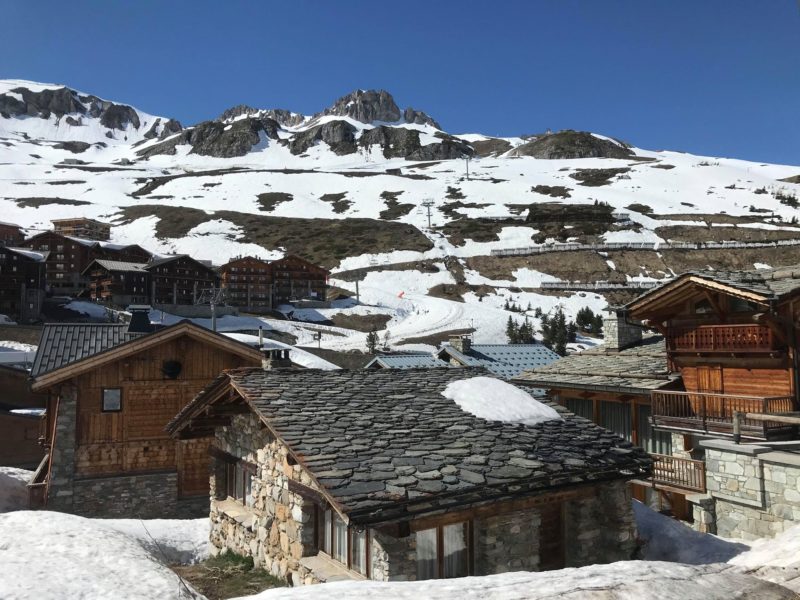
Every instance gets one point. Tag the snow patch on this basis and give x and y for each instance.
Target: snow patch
(13, 490)
(495, 400)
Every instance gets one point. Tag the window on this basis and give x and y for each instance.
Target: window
(443, 551)
(112, 399)
(583, 407)
(359, 551)
(616, 416)
(339, 539)
(344, 544)
(238, 480)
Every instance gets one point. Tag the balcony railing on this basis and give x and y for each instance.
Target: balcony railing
(713, 413)
(722, 338)
(683, 473)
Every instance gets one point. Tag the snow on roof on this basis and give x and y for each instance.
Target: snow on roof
(37, 256)
(297, 355)
(495, 400)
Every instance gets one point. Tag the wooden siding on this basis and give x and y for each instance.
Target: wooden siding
(738, 381)
(133, 439)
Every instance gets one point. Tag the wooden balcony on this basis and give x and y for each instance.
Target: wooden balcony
(722, 338)
(713, 413)
(682, 473)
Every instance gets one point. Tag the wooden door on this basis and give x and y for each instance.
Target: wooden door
(709, 381)
(551, 537)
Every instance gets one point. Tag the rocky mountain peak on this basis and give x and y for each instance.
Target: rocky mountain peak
(284, 118)
(366, 106)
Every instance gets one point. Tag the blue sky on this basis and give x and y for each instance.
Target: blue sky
(716, 77)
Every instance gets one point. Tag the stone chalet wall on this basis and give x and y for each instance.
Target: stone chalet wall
(278, 529)
(754, 489)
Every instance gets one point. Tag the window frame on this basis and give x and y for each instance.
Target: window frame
(469, 534)
(237, 473)
(103, 400)
(325, 535)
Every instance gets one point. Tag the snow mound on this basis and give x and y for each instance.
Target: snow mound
(18, 346)
(13, 490)
(170, 540)
(776, 559)
(50, 555)
(495, 400)
(629, 580)
(671, 540)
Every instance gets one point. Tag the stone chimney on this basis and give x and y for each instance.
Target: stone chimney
(140, 319)
(462, 343)
(275, 358)
(618, 331)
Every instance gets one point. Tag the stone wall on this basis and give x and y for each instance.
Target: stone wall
(508, 542)
(600, 526)
(755, 488)
(277, 530)
(62, 462)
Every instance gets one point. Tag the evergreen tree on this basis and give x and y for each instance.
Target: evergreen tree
(511, 330)
(372, 342)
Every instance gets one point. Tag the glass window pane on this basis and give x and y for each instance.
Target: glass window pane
(112, 399)
(426, 554)
(582, 407)
(239, 482)
(616, 417)
(454, 549)
(248, 488)
(339, 539)
(359, 541)
(327, 525)
(658, 442)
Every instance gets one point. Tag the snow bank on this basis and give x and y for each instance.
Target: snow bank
(630, 580)
(183, 541)
(13, 493)
(671, 540)
(495, 400)
(49, 555)
(18, 346)
(776, 559)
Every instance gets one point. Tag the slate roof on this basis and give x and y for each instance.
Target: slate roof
(504, 360)
(406, 361)
(638, 369)
(385, 444)
(118, 265)
(772, 284)
(64, 343)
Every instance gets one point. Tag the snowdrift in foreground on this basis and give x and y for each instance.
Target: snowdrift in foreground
(632, 580)
(49, 555)
(13, 490)
(667, 539)
(495, 400)
(174, 541)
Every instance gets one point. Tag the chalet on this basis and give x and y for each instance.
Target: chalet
(722, 385)
(68, 258)
(179, 279)
(504, 360)
(405, 360)
(375, 474)
(20, 417)
(111, 390)
(611, 385)
(118, 283)
(81, 227)
(247, 282)
(22, 283)
(296, 279)
(11, 234)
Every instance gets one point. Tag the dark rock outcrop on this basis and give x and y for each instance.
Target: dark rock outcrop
(396, 142)
(572, 144)
(490, 147)
(339, 135)
(450, 147)
(418, 117)
(74, 147)
(170, 127)
(285, 118)
(212, 138)
(366, 106)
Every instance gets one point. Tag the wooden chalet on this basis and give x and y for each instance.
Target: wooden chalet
(20, 420)
(179, 279)
(68, 258)
(111, 389)
(118, 283)
(295, 279)
(81, 227)
(374, 474)
(22, 283)
(247, 282)
(11, 234)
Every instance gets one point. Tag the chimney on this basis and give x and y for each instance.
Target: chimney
(140, 319)
(618, 332)
(275, 358)
(462, 343)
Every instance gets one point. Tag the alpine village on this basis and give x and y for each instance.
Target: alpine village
(275, 350)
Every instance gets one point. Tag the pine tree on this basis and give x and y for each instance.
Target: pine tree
(372, 342)
(511, 330)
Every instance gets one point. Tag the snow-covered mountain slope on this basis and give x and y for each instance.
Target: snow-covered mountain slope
(352, 187)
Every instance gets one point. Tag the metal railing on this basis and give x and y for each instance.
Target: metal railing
(722, 338)
(713, 413)
(679, 472)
